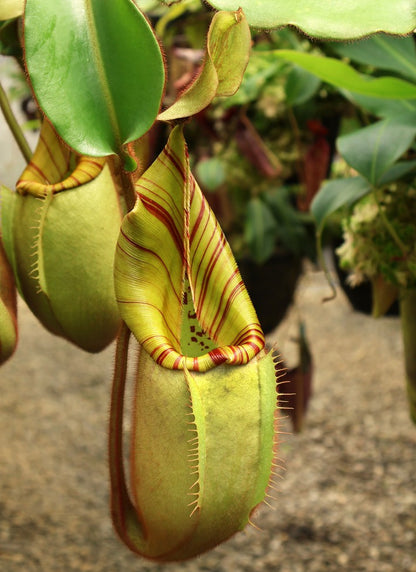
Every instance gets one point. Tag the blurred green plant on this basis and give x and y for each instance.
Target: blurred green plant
(270, 148)
(378, 194)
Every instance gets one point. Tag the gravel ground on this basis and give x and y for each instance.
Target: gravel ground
(347, 501)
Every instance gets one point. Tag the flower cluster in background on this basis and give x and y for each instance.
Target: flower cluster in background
(374, 234)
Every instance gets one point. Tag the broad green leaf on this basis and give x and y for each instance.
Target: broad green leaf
(300, 86)
(381, 107)
(338, 19)
(158, 246)
(372, 150)
(96, 70)
(332, 196)
(11, 9)
(397, 171)
(383, 52)
(335, 194)
(226, 57)
(341, 75)
(260, 230)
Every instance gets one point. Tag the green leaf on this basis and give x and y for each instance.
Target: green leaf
(341, 75)
(332, 196)
(372, 150)
(382, 52)
(328, 18)
(335, 194)
(300, 86)
(290, 231)
(11, 9)
(397, 171)
(210, 173)
(260, 230)
(384, 107)
(96, 70)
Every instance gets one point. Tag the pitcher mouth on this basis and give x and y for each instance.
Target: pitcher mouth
(195, 349)
(55, 168)
(166, 356)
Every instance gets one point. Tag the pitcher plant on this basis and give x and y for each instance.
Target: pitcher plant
(101, 245)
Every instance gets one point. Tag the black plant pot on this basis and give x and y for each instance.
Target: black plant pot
(271, 286)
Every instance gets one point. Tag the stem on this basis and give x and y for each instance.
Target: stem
(389, 227)
(132, 168)
(117, 477)
(14, 126)
(408, 321)
(129, 189)
(123, 512)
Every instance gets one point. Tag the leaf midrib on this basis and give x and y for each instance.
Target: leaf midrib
(101, 73)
